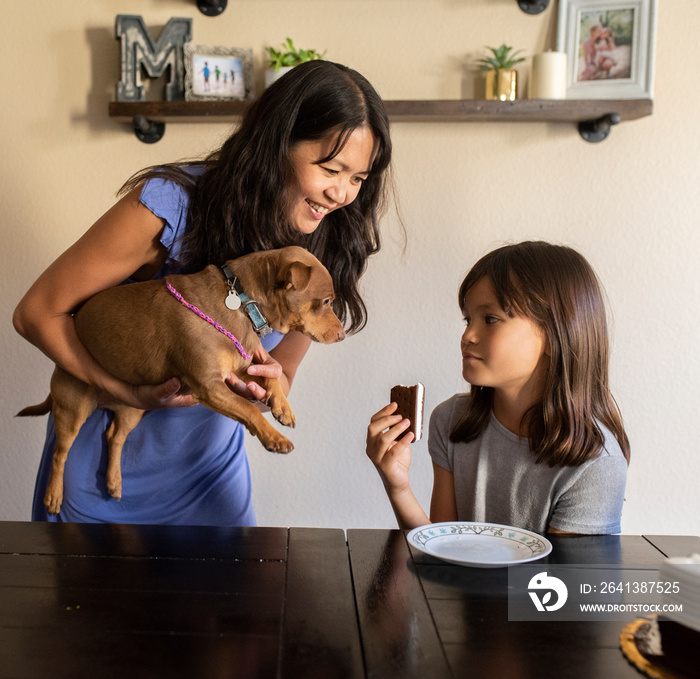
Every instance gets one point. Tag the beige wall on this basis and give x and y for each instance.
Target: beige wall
(629, 204)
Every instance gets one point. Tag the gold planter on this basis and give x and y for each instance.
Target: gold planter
(501, 84)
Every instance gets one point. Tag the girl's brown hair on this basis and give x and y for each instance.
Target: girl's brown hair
(241, 202)
(555, 287)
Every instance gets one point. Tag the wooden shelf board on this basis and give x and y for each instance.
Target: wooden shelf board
(567, 110)
(444, 110)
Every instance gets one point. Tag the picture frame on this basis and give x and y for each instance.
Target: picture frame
(609, 45)
(214, 73)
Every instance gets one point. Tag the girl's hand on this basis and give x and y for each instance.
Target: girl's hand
(390, 454)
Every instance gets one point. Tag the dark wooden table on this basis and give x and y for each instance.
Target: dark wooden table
(88, 600)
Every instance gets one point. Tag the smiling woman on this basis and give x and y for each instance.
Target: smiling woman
(306, 167)
(327, 182)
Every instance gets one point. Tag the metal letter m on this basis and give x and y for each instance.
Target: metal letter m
(138, 48)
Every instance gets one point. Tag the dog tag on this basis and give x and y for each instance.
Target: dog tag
(233, 301)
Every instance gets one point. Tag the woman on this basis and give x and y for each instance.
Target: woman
(307, 166)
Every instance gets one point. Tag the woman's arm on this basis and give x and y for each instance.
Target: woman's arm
(289, 354)
(124, 242)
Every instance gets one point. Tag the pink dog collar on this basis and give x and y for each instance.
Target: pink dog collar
(209, 320)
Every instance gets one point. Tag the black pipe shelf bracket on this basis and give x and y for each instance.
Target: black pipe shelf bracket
(148, 131)
(533, 6)
(212, 8)
(599, 129)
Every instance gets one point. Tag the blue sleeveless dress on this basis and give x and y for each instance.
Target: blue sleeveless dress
(184, 466)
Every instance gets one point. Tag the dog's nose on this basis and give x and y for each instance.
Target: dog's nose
(336, 334)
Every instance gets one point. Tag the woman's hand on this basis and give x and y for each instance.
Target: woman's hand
(164, 395)
(147, 397)
(167, 394)
(263, 367)
(390, 455)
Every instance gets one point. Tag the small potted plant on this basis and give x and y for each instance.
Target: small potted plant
(501, 77)
(286, 58)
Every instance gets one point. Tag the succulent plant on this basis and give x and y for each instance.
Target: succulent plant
(290, 55)
(502, 59)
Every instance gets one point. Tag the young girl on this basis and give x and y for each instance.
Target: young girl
(306, 167)
(538, 442)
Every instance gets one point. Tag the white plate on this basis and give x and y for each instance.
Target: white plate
(483, 545)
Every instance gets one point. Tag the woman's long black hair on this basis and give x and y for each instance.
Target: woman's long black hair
(242, 201)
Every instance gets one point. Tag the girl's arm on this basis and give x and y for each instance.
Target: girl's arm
(443, 503)
(124, 242)
(392, 458)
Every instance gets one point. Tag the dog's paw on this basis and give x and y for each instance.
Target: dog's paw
(114, 487)
(277, 444)
(53, 502)
(283, 414)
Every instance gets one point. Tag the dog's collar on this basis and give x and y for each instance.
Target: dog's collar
(237, 297)
(208, 319)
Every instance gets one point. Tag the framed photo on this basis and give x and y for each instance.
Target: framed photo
(609, 46)
(215, 73)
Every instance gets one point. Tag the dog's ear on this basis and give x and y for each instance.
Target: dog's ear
(297, 277)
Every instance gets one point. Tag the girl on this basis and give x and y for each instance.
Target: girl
(306, 167)
(538, 441)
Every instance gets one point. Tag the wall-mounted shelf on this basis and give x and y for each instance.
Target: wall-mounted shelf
(593, 116)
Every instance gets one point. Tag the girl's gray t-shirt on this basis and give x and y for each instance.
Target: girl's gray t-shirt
(497, 480)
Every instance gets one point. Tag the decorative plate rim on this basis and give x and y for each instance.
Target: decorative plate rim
(539, 546)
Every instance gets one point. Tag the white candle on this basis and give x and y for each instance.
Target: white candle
(548, 77)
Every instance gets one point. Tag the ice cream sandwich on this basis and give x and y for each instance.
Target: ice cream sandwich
(410, 401)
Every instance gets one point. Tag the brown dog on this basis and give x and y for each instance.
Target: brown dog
(146, 333)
